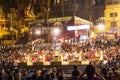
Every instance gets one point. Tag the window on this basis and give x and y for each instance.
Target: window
(113, 24)
(111, 14)
(115, 14)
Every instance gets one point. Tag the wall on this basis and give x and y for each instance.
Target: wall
(115, 8)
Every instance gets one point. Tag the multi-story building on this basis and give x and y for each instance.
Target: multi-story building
(112, 16)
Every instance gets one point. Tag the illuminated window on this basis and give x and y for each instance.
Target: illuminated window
(115, 14)
(111, 14)
(114, 24)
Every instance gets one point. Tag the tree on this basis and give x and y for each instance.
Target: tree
(20, 10)
(6, 5)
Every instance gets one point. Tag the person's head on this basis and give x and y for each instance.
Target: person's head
(54, 69)
(48, 77)
(60, 78)
(90, 71)
(75, 67)
(104, 71)
(16, 70)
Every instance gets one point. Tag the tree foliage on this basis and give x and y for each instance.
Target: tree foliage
(20, 5)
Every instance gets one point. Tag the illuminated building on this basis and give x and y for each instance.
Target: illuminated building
(85, 9)
(112, 16)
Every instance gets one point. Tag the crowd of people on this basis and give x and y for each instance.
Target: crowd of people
(105, 51)
(91, 50)
(54, 73)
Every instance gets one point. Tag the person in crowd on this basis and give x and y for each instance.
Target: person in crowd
(91, 73)
(1, 78)
(104, 73)
(17, 74)
(34, 76)
(38, 73)
(60, 74)
(48, 77)
(75, 73)
(30, 74)
(11, 75)
(53, 77)
(42, 75)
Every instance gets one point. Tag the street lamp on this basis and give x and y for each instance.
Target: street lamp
(11, 29)
(101, 26)
(37, 32)
(56, 31)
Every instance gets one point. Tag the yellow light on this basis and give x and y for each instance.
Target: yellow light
(38, 32)
(56, 31)
(101, 26)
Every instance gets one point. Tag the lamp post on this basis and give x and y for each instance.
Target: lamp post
(62, 8)
(101, 26)
(11, 30)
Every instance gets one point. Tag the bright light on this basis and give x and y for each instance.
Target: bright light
(83, 37)
(56, 31)
(55, 38)
(37, 32)
(101, 26)
(92, 35)
(80, 27)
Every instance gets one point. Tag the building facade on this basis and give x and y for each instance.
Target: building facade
(112, 16)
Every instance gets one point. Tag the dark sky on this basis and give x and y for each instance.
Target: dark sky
(96, 2)
(99, 2)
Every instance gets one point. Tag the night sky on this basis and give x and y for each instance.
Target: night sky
(99, 2)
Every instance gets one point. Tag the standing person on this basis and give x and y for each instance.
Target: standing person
(17, 75)
(60, 74)
(104, 73)
(30, 74)
(91, 73)
(4, 74)
(11, 75)
(42, 75)
(75, 73)
(1, 78)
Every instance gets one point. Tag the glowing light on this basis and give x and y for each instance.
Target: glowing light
(101, 26)
(92, 35)
(56, 31)
(37, 32)
(80, 27)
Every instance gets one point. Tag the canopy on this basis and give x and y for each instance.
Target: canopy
(74, 20)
